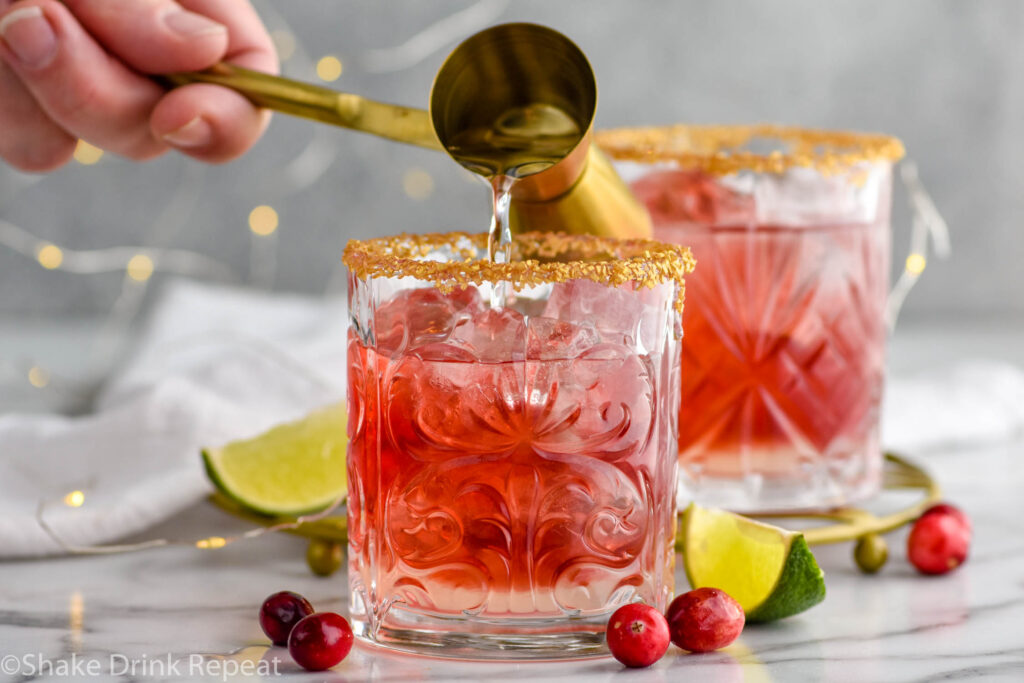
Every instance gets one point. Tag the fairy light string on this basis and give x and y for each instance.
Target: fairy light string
(927, 229)
(76, 500)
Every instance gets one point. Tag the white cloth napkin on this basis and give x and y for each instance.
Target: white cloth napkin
(215, 364)
(973, 403)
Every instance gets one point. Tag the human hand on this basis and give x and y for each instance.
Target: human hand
(78, 69)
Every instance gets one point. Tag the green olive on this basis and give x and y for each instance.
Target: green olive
(323, 556)
(871, 553)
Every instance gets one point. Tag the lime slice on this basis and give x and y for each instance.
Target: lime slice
(770, 571)
(292, 469)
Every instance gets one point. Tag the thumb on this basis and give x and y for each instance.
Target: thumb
(153, 36)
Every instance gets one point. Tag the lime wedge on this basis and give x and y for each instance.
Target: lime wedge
(292, 469)
(770, 571)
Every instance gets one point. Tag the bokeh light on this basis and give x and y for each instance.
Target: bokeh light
(263, 220)
(38, 377)
(50, 256)
(87, 154)
(329, 68)
(417, 183)
(916, 264)
(140, 267)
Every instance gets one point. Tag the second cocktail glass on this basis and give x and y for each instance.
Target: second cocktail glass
(785, 325)
(512, 440)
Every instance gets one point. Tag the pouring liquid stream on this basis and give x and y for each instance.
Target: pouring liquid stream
(521, 141)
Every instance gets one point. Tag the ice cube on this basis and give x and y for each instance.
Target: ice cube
(552, 339)
(492, 335)
(444, 352)
(692, 197)
(418, 317)
(621, 315)
(805, 197)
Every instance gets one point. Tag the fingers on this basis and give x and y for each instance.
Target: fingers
(215, 124)
(153, 36)
(29, 140)
(208, 122)
(79, 76)
(80, 87)
(249, 44)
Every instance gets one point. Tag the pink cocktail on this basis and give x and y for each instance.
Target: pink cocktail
(783, 357)
(512, 453)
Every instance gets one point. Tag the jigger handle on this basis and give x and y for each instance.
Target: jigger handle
(391, 121)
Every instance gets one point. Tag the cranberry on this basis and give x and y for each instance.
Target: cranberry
(320, 641)
(637, 635)
(280, 612)
(947, 509)
(705, 619)
(938, 543)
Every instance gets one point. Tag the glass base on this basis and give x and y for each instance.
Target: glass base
(819, 486)
(473, 638)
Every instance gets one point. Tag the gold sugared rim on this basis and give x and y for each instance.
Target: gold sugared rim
(718, 150)
(604, 260)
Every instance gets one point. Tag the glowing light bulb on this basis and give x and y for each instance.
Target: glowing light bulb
(916, 264)
(329, 68)
(38, 377)
(50, 256)
(87, 154)
(263, 220)
(417, 183)
(140, 268)
(75, 499)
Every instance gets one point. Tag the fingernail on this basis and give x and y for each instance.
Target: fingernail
(195, 133)
(29, 36)
(190, 24)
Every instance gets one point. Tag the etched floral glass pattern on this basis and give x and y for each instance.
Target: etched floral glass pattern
(511, 467)
(783, 356)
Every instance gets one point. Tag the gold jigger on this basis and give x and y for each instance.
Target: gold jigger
(521, 66)
(503, 68)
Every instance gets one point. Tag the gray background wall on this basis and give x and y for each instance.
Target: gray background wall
(945, 76)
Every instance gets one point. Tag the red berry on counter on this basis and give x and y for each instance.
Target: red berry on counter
(320, 641)
(938, 542)
(637, 635)
(280, 612)
(954, 511)
(705, 619)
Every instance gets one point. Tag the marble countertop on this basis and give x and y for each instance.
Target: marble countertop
(182, 613)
